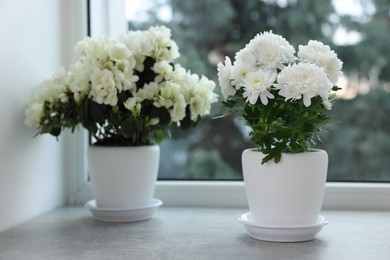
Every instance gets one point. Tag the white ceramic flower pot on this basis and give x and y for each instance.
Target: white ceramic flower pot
(123, 177)
(287, 193)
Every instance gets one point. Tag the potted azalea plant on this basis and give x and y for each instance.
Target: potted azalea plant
(283, 96)
(128, 93)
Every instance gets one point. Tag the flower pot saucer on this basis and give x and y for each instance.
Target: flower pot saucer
(298, 233)
(132, 214)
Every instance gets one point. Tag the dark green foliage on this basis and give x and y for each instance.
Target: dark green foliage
(359, 144)
(281, 126)
(147, 75)
(162, 114)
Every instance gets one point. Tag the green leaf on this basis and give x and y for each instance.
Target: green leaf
(162, 114)
(147, 75)
(98, 112)
(127, 127)
(55, 131)
(186, 122)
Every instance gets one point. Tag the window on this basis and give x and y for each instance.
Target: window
(207, 30)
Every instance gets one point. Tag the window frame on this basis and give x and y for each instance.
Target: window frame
(338, 195)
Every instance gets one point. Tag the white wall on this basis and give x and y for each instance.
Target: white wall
(33, 45)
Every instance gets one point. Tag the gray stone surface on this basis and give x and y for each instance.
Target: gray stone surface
(190, 233)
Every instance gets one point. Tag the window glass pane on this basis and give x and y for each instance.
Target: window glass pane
(208, 30)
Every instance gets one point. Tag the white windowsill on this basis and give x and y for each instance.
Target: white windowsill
(344, 196)
(351, 196)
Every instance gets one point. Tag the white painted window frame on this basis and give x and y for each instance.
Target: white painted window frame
(338, 195)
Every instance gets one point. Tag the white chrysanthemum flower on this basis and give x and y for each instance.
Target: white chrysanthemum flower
(287, 49)
(321, 55)
(327, 104)
(224, 78)
(257, 85)
(332, 68)
(132, 105)
(271, 51)
(239, 72)
(303, 79)
(103, 88)
(246, 56)
(34, 115)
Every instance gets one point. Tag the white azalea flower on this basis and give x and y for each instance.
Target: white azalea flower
(107, 70)
(204, 90)
(303, 80)
(197, 107)
(53, 90)
(148, 92)
(132, 105)
(169, 53)
(103, 88)
(224, 78)
(163, 69)
(118, 51)
(257, 85)
(81, 48)
(169, 94)
(188, 84)
(78, 78)
(34, 115)
(320, 54)
(138, 42)
(161, 34)
(95, 51)
(178, 111)
(178, 74)
(129, 79)
(164, 48)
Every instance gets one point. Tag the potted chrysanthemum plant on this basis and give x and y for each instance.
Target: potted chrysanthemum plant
(128, 93)
(283, 97)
